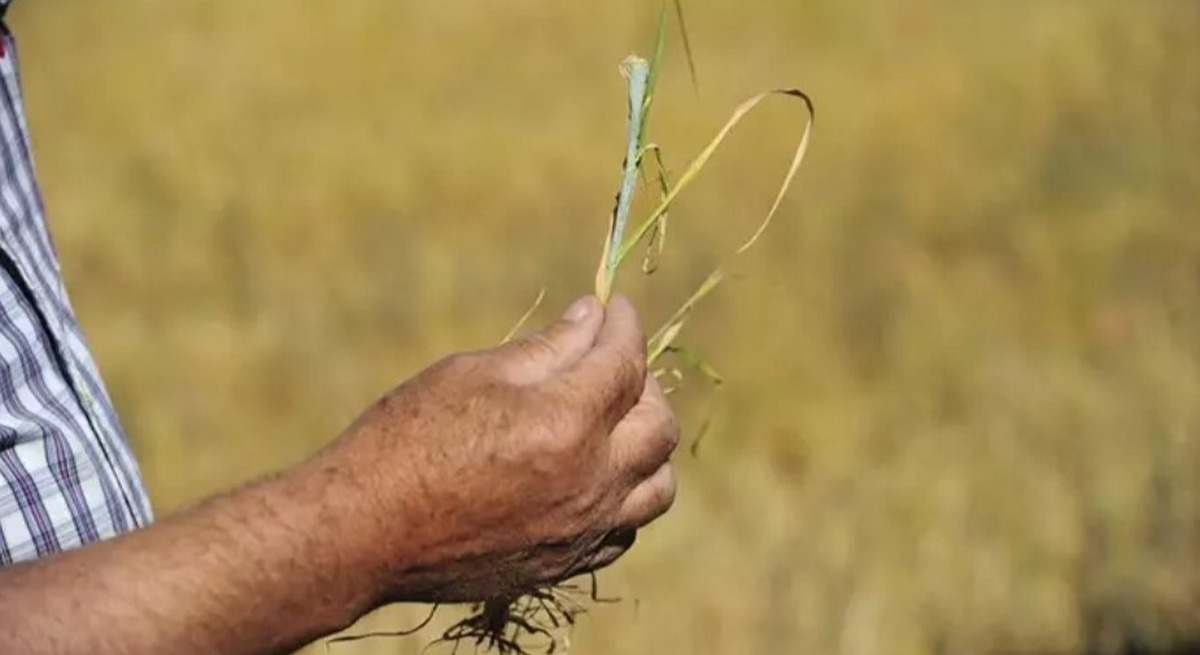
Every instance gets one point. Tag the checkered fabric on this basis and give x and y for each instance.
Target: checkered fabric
(67, 475)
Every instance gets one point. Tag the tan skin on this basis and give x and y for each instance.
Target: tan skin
(488, 473)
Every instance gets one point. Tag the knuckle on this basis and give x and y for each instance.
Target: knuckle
(462, 365)
(547, 444)
(636, 357)
(571, 421)
(537, 346)
(574, 402)
(589, 401)
(666, 491)
(639, 348)
(631, 378)
(556, 429)
(635, 323)
(669, 431)
(454, 363)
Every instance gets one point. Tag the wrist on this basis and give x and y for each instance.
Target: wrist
(399, 539)
(341, 533)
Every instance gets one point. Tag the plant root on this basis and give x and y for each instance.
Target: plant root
(524, 625)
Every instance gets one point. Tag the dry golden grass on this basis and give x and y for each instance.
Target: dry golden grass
(963, 410)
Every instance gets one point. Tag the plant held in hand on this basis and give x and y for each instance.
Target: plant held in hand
(539, 613)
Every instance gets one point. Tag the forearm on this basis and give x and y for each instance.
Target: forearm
(263, 569)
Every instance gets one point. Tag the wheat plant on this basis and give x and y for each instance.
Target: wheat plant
(509, 625)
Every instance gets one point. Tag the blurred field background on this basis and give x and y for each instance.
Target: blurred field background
(963, 409)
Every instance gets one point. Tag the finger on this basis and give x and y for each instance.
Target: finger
(615, 545)
(650, 499)
(645, 439)
(613, 373)
(535, 357)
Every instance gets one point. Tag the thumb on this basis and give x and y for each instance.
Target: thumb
(537, 356)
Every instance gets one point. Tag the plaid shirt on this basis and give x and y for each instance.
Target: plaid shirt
(67, 476)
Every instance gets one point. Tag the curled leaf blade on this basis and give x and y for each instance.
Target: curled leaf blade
(658, 238)
(693, 170)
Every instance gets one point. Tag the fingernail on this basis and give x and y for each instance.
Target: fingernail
(579, 309)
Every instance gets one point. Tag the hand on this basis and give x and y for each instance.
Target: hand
(498, 471)
(487, 475)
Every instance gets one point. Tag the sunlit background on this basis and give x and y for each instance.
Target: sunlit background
(962, 409)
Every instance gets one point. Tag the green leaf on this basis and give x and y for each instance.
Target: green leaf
(636, 71)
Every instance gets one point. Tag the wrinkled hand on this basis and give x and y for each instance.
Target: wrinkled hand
(497, 471)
